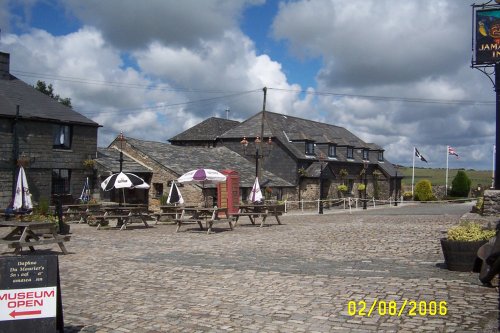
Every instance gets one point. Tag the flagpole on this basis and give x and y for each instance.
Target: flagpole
(493, 168)
(413, 173)
(447, 155)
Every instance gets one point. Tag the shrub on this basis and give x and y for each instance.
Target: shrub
(163, 199)
(460, 186)
(407, 195)
(469, 232)
(43, 207)
(423, 191)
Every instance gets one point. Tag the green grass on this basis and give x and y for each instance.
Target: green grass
(438, 176)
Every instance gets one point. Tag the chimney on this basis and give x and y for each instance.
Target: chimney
(4, 66)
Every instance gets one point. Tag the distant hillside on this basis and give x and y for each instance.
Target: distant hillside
(437, 176)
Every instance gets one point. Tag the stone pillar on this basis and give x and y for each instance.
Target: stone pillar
(491, 203)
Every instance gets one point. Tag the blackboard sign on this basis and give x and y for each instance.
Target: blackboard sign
(30, 295)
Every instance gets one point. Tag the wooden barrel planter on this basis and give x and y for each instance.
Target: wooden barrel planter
(460, 255)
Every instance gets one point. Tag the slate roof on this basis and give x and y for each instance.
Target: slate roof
(208, 130)
(109, 158)
(293, 131)
(34, 104)
(181, 159)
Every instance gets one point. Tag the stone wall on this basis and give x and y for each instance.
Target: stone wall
(491, 203)
(35, 139)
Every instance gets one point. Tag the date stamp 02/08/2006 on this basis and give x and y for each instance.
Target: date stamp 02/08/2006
(405, 307)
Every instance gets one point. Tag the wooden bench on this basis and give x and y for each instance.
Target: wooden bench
(255, 211)
(31, 234)
(171, 215)
(122, 219)
(209, 216)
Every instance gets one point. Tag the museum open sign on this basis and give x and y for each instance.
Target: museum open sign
(30, 294)
(28, 303)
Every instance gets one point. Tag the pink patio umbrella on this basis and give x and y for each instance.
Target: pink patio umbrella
(202, 176)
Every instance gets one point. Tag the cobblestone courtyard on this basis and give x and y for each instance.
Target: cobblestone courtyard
(297, 277)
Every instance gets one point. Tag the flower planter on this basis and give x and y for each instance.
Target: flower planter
(460, 255)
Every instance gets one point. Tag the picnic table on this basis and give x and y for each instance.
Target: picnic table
(199, 215)
(78, 212)
(31, 234)
(172, 212)
(258, 211)
(123, 215)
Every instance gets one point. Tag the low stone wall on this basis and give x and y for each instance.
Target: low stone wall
(491, 203)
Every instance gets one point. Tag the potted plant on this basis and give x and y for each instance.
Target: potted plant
(461, 245)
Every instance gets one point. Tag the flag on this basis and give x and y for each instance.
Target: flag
(420, 156)
(452, 151)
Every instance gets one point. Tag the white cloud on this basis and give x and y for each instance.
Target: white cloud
(418, 50)
(129, 24)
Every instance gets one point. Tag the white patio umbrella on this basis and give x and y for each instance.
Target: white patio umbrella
(202, 176)
(123, 180)
(255, 193)
(85, 196)
(175, 196)
(22, 198)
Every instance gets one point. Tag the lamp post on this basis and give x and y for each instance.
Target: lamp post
(365, 171)
(396, 186)
(121, 138)
(321, 159)
(259, 148)
(259, 152)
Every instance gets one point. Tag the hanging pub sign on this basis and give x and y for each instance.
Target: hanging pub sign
(487, 36)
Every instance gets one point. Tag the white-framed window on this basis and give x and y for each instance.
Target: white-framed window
(350, 152)
(380, 155)
(332, 151)
(366, 154)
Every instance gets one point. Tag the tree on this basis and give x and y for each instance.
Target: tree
(48, 90)
(460, 186)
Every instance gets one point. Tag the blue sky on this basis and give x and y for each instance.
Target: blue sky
(393, 73)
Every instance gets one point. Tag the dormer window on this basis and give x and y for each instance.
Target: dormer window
(366, 154)
(309, 148)
(350, 152)
(381, 156)
(332, 151)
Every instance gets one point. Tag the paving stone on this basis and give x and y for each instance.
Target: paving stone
(295, 277)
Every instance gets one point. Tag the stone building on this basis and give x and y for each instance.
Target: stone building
(168, 162)
(50, 140)
(300, 150)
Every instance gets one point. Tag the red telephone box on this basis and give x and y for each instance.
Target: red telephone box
(228, 193)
